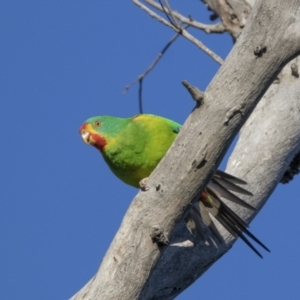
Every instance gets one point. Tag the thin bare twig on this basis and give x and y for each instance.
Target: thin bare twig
(141, 95)
(149, 69)
(200, 45)
(181, 31)
(167, 4)
(208, 28)
(152, 14)
(169, 17)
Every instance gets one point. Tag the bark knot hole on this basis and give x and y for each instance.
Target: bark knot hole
(260, 50)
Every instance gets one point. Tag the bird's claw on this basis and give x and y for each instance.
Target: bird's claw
(143, 184)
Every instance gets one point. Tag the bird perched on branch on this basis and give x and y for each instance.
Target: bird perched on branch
(132, 148)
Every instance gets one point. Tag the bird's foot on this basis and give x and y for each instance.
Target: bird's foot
(143, 184)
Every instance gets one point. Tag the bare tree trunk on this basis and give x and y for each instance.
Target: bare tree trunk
(270, 139)
(134, 267)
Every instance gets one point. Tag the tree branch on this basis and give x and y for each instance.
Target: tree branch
(233, 13)
(141, 77)
(208, 28)
(182, 31)
(261, 155)
(196, 94)
(130, 267)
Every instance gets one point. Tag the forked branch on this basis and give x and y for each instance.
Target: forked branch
(180, 30)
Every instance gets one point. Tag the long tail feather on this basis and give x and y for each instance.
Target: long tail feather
(203, 214)
(226, 184)
(233, 179)
(220, 205)
(223, 192)
(232, 223)
(198, 226)
(210, 203)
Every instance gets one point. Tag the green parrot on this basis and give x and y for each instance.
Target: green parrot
(132, 148)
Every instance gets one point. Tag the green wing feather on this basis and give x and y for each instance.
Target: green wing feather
(135, 152)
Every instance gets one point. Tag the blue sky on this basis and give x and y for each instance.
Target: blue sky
(61, 63)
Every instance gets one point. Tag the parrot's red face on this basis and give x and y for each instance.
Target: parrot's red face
(91, 136)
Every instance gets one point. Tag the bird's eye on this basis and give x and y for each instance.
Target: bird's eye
(97, 123)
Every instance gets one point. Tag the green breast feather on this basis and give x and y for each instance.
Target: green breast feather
(139, 146)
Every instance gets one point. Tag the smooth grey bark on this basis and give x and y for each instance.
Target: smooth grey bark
(270, 138)
(133, 265)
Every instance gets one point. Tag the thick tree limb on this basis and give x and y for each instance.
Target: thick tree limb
(274, 129)
(128, 269)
